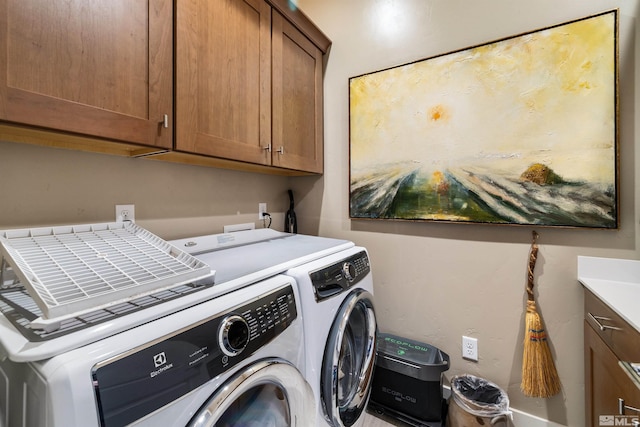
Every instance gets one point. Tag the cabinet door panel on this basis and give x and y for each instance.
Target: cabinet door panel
(100, 68)
(223, 78)
(297, 99)
(605, 380)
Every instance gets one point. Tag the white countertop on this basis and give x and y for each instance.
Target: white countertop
(616, 282)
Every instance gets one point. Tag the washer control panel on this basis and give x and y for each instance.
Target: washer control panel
(339, 277)
(138, 382)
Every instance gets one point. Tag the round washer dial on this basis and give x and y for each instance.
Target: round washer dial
(233, 335)
(349, 271)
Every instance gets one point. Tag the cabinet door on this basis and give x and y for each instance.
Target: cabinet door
(93, 67)
(297, 99)
(223, 79)
(605, 381)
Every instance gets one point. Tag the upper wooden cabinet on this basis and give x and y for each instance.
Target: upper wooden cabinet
(248, 85)
(246, 80)
(223, 78)
(102, 69)
(297, 126)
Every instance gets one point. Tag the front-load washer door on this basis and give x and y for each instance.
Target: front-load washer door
(347, 368)
(268, 393)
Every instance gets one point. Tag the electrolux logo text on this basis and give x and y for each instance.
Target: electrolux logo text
(160, 362)
(619, 420)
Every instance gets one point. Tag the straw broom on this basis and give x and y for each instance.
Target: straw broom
(539, 375)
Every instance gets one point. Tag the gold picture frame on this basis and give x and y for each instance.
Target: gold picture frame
(522, 130)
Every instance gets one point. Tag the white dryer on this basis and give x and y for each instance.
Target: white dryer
(340, 334)
(336, 293)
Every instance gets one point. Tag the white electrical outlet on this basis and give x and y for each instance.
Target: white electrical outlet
(470, 348)
(262, 208)
(125, 213)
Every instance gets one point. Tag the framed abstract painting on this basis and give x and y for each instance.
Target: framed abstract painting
(523, 130)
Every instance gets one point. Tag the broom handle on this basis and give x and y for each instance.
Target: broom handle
(533, 256)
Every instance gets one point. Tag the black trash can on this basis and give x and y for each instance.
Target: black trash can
(407, 382)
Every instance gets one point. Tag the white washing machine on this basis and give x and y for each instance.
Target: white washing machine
(340, 334)
(198, 353)
(233, 360)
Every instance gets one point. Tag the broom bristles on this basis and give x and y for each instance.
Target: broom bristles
(539, 375)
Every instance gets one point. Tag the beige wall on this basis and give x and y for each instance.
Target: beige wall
(48, 186)
(436, 282)
(433, 282)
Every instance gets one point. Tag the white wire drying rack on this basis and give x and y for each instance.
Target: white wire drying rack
(72, 269)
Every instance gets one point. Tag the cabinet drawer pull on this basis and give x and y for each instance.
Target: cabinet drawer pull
(622, 408)
(602, 327)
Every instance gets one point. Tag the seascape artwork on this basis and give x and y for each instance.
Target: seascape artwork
(518, 131)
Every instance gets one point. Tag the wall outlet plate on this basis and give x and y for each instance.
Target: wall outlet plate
(125, 213)
(262, 208)
(470, 348)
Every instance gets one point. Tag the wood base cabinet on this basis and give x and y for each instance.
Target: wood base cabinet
(612, 391)
(248, 85)
(100, 69)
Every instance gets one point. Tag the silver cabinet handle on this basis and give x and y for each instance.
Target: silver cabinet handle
(267, 148)
(280, 150)
(622, 408)
(602, 327)
(165, 121)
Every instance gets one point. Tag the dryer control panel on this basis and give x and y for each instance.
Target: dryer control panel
(339, 277)
(138, 382)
